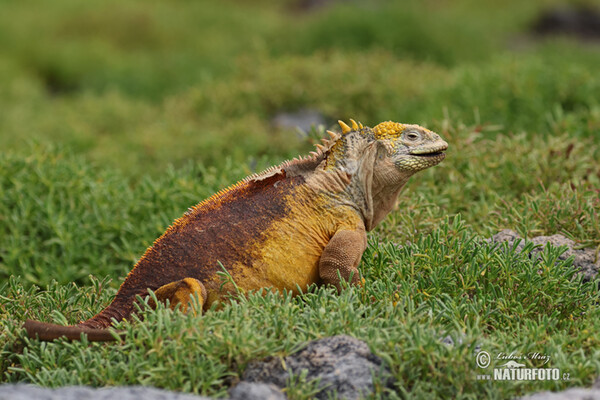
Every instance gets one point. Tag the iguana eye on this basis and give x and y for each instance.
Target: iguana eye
(412, 136)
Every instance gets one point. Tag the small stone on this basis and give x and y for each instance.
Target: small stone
(256, 391)
(579, 21)
(341, 363)
(569, 394)
(302, 120)
(30, 392)
(447, 340)
(583, 259)
(505, 235)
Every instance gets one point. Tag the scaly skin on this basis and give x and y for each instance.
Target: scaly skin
(299, 223)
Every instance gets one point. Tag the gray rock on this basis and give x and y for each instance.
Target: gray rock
(448, 340)
(569, 394)
(302, 120)
(30, 392)
(256, 391)
(579, 21)
(584, 259)
(505, 235)
(341, 363)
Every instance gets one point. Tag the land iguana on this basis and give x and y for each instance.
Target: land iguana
(295, 224)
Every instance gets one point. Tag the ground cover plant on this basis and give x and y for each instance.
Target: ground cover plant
(109, 133)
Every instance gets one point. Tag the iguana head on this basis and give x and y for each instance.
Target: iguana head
(380, 161)
(410, 148)
(369, 165)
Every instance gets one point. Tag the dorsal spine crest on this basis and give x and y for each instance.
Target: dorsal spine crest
(339, 149)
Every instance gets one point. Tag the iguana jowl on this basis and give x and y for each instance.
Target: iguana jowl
(298, 223)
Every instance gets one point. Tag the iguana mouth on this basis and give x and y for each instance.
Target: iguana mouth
(437, 151)
(430, 155)
(434, 154)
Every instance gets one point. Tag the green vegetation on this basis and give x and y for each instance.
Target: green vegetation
(117, 116)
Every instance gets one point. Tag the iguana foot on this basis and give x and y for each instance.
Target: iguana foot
(180, 293)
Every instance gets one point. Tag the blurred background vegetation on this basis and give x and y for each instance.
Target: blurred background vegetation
(141, 85)
(115, 116)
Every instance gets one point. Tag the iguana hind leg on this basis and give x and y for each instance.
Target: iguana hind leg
(180, 293)
(341, 257)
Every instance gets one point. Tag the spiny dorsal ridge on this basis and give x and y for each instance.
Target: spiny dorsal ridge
(274, 170)
(356, 126)
(344, 126)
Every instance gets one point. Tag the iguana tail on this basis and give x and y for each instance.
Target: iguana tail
(96, 328)
(48, 332)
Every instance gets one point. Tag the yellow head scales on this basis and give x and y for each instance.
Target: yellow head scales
(388, 130)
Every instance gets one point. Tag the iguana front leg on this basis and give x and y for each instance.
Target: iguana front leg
(342, 254)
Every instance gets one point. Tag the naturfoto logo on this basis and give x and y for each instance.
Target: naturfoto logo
(508, 368)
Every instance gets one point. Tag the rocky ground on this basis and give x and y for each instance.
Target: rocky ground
(341, 363)
(586, 260)
(588, 263)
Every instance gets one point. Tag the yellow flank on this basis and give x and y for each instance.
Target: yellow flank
(388, 130)
(288, 256)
